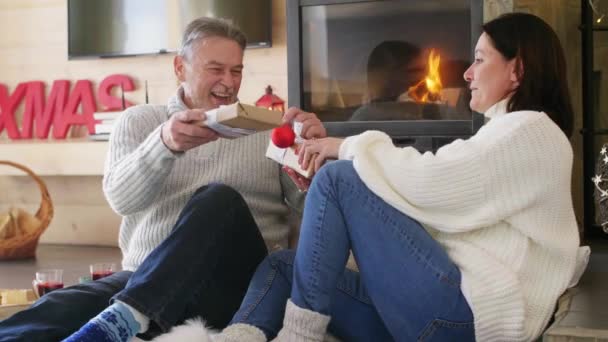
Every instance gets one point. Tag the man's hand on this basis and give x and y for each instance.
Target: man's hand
(184, 130)
(317, 151)
(311, 125)
(301, 182)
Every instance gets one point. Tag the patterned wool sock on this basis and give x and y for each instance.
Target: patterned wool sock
(114, 324)
(143, 320)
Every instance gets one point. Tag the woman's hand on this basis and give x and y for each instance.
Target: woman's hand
(317, 151)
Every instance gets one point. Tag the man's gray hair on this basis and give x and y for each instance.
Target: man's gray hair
(205, 27)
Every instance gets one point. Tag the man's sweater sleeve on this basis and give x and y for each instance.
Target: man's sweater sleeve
(137, 163)
(467, 184)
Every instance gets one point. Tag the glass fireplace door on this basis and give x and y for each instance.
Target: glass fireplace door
(386, 60)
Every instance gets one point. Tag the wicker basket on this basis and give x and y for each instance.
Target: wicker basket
(24, 246)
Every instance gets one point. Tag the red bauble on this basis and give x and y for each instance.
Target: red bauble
(283, 136)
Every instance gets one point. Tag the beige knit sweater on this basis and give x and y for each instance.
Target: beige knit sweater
(149, 185)
(499, 203)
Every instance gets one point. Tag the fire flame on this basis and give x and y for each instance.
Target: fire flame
(428, 89)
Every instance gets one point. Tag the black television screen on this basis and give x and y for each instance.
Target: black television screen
(114, 28)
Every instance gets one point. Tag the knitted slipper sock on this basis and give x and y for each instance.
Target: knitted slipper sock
(302, 325)
(240, 332)
(115, 324)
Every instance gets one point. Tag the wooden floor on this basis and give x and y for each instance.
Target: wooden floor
(584, 317)
(74, 260)
(588, 313)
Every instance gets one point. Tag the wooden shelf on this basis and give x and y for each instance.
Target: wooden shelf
(70, 157)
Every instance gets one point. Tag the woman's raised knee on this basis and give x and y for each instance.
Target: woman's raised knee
(333, 171)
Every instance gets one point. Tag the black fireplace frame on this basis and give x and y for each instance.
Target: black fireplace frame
(423, 134)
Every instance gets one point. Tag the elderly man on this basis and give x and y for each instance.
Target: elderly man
(185, 252)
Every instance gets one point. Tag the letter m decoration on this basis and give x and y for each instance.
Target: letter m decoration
(40, 115)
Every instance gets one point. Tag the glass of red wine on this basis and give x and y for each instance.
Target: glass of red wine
(48, 280)
(102, 269)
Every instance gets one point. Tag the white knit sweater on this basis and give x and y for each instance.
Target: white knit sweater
(499, 203)
(149, 185)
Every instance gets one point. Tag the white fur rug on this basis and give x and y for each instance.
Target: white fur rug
(193, 330)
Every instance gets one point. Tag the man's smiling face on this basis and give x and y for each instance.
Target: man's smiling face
(211, 73)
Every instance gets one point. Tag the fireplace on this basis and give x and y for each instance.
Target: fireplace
(392, 65)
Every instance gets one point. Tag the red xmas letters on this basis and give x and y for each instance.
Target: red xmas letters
(61, 109)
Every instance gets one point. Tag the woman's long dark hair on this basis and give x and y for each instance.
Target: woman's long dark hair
(543, 84)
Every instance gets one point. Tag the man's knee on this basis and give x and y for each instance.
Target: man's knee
(217, 203)
(216, 197)
(217, 191)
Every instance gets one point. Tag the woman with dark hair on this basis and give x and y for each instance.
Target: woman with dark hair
(474, 242)
(541, 66)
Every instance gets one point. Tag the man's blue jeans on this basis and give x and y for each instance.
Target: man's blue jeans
(202, 269)
(408, 289)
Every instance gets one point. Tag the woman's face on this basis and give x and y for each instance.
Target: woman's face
(491, 77)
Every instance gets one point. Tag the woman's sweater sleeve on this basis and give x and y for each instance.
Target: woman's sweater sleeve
(138, 162)
(467, 184)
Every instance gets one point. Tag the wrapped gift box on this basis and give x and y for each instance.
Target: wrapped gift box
(240, 119)
(13, 301)
(288, 157)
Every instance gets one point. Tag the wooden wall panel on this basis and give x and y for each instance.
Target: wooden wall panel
(82, 215)
(494, 8)
(33, 46)
(564, 17)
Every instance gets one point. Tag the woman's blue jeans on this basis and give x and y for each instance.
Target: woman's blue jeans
(408, 289)
(202, 269)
